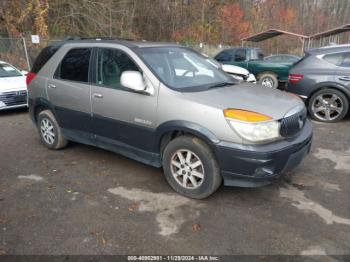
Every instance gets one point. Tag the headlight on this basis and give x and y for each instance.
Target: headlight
(253, 126)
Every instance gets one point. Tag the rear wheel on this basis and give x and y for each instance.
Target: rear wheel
(328, 105)
(268, 80)
(190, 167)
(49, 131)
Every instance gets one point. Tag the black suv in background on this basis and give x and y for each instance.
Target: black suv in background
(322, 79)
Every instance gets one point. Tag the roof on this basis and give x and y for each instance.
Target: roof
(270, 34)
(328, 49)
(334, 31)
(126, 42)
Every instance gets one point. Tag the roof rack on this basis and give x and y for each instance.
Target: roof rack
(97, 38)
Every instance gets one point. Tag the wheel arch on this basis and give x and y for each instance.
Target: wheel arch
(329, 85)
(267, 72)
(39, 105)
(172, 129)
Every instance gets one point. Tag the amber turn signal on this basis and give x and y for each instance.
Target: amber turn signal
(246, 116)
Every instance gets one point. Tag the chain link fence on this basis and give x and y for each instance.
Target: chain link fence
(208, 49)
(21, 52)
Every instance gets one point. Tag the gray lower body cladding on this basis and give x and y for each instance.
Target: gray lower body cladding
(241, 165)
(253, 166)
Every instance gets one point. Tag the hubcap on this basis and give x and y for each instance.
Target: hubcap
(187, 169)
(327, 106)
(267, 82)
(47, 131)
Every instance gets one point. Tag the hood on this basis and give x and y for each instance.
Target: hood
(250, 97)
(231, 69)
(12, 83)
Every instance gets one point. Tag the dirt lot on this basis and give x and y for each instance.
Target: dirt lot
(83, 200)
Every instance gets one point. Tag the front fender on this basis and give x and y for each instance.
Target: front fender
(188, 127)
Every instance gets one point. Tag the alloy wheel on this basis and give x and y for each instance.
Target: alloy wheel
(187, 169)
(47, 131)
(327, 107)
(267, 82)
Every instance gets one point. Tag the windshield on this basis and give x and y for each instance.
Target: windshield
(183, 69)
(7, 70)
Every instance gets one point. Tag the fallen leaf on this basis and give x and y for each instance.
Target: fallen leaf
(2, 252)
(134, 207)
(3, 221)
(196, 227)
(298, 185)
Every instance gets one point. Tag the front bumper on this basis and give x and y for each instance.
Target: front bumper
(13, 99)
(259, 165)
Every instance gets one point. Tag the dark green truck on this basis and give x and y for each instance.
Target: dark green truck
(269, 74)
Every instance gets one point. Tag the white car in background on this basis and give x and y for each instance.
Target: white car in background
(13, 87)
(239, 73)
(236, 72)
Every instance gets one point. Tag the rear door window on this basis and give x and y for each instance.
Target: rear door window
(75, 65)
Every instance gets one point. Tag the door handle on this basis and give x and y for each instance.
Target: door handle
(51, 86)
(345, 78)
(97, 95)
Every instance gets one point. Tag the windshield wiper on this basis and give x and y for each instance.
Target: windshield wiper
(222, 84)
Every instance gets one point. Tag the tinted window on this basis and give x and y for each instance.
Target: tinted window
(7, 70)
(256, 54)
(240, 55)
(44, 56)
(111, 64)
(335, 59)
(224, 56)
(183, 69)
(346, 61)
(75, 65)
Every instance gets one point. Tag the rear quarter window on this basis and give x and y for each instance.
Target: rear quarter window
(335, 59)
(43, 57)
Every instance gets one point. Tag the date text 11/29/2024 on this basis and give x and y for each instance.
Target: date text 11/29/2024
(173, 258)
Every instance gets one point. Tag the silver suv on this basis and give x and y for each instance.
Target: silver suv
(167, 106)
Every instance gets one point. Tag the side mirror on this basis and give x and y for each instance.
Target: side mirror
(133, 80)
(24, 72)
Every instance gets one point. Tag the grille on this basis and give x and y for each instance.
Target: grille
(291, 125)
(14, 98)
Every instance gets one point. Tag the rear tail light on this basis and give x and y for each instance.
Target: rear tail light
(30, 77)
(294, 78)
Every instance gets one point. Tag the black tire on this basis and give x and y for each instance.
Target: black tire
(328, 92)
(212, 178)
(268, 77)
(58, 141)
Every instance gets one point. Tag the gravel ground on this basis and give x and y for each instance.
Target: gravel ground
(84, 200)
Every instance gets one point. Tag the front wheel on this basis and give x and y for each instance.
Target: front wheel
(190, 167)
(268, 80)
